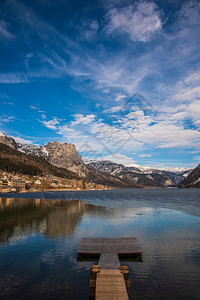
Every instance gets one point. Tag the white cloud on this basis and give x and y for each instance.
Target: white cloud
(33, 107)
(119, 158)
(140, 21)
(120, 96)
(194, 77)
(65, 130)
(6, 119)
(188, 94)
(8, 103)
(13, 77)
(81, 119)
(183, 113)
(107, 91)
(144, 155)
(113, 109)
(193, 111)
(21, 140)
(197, 158)
(135, 129)
(51, 123)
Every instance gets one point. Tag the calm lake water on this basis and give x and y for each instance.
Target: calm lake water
(40, 234)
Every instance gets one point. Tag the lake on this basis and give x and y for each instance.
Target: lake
(40, 234)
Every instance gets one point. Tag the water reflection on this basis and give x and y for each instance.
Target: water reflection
(183, 200)
(51, 218)
(39, 241)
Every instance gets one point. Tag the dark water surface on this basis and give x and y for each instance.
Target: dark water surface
(40, 234)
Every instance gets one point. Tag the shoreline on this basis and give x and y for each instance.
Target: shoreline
(83, 190)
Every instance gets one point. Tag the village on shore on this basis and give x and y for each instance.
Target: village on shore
(16, 183)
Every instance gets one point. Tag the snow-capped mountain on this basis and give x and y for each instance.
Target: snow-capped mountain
(139, 174)
(39, 151)
(61, 155)
(65, 155)
(7, 140)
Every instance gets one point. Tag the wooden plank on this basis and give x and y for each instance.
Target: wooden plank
(100, 245)
(109, 280)
(109, 273)
(111, 297)
(107, 288)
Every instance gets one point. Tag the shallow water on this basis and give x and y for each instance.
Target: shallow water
(39, 239)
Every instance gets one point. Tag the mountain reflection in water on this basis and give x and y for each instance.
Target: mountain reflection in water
(52, 218)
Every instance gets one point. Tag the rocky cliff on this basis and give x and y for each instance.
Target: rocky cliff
(65, 156)
(7, 140)
(14, 161)
(61, 155)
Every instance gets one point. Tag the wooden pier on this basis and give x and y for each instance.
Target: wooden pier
(96, 246)
(108, 279)
(110, 284)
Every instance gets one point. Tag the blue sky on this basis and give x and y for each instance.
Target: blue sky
(119, 79)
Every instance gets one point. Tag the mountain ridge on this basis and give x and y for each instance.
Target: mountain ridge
(12, 160)
(61, 155)
(193, 179)
(64, 155)
(151, 177)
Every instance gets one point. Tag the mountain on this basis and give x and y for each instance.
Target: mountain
(61, 155)
(141, 175)
(65, 156)
(104, 178)
(12, 160)
(177, 176)
(9, 141)
(62, 159)
(192, 180)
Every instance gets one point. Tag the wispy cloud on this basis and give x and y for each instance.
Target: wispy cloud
(4, 32)
(33, 107)
(6, 119)
(10, 78)
(119, 158)
(8, 103)
(187, 94)
(189, 15)
(120, 97)
(144, 155)
(139, 21)
(22, 140)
